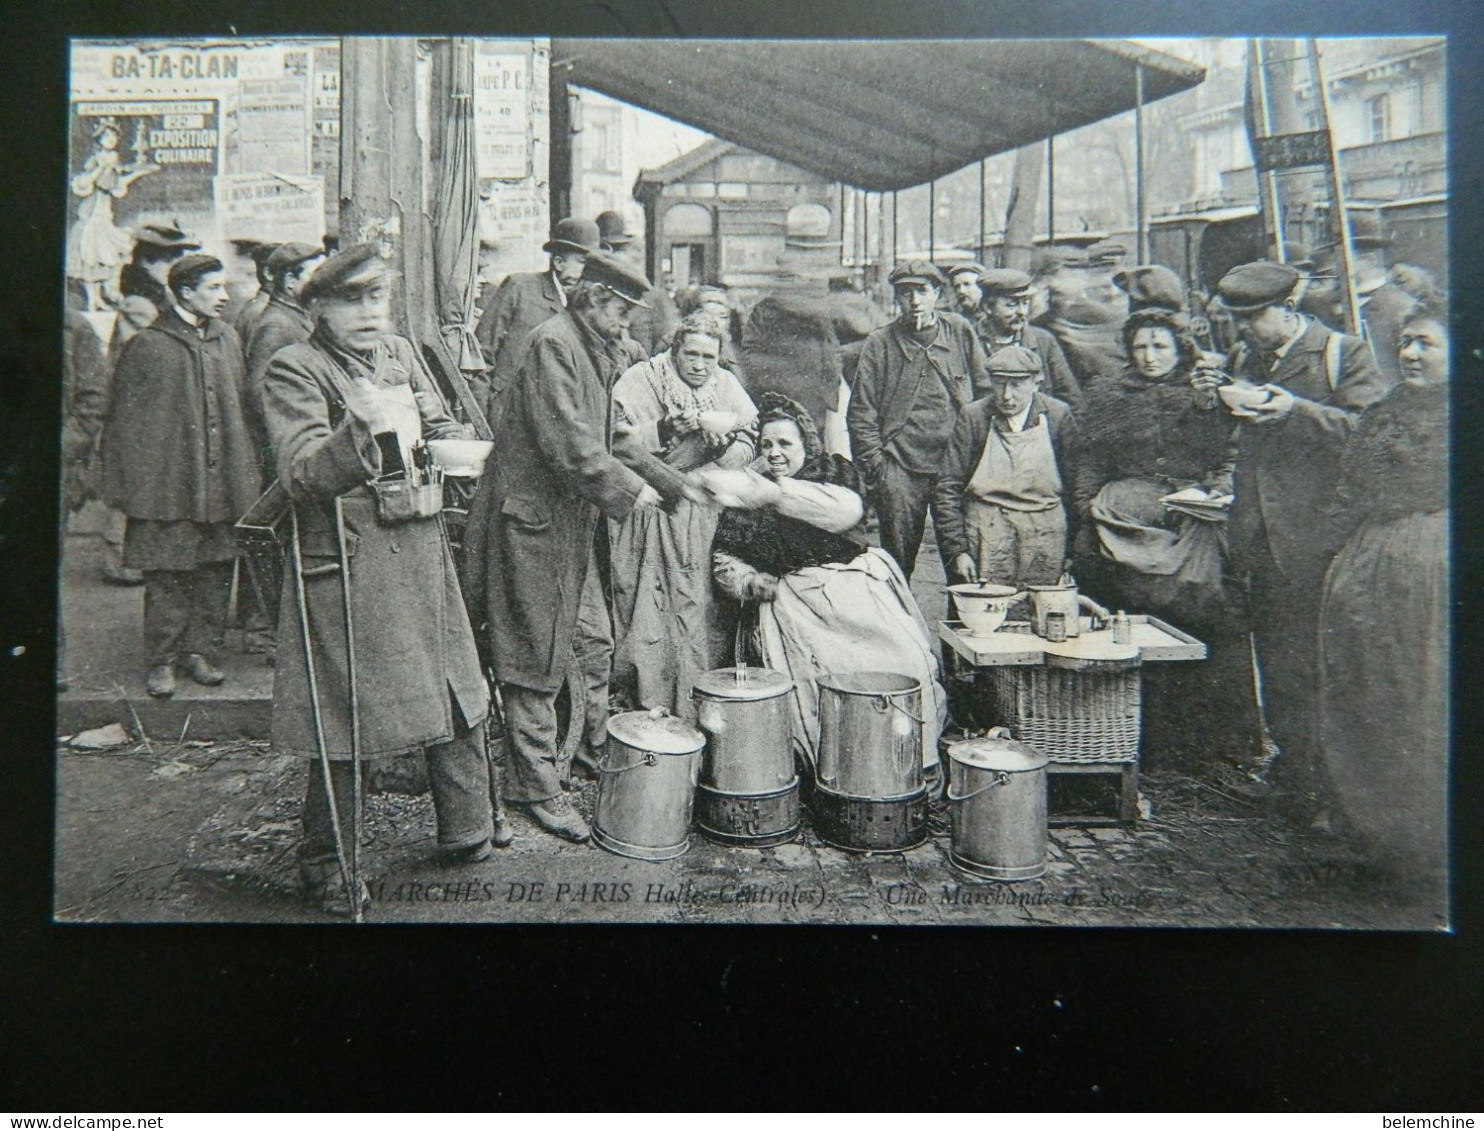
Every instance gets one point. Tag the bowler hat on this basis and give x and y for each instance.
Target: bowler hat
(1151, 286)
(623, 281)
(346, 274)
(1252, 286)
(287, 256)
(1015, 361)
(611, 230)
(1005, 282)
(916, 271)
(574, 234)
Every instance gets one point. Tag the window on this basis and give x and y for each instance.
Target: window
(1378, 113)
(811, 220)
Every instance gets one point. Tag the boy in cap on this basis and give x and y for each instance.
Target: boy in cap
(1004, 320)
(1315, 382)
(180, 462)
(1001, 499)
(283, 321)
(912, 378)
(532, 555)
(525, 300)
(343, 409)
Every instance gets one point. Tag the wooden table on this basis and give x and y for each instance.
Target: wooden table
(1083, 714)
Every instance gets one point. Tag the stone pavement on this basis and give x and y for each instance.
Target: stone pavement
(206, 833)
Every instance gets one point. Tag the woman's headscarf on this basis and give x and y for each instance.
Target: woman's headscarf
(776, 406)
(1178, 326)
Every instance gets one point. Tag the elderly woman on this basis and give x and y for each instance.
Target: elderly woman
(1383, 665)
(1147, 435)
(681, 407)
(825, 602)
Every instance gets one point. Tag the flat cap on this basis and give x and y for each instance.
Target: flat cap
(1003, 281)
(574, 234)
(190, 266)
(287, 256)
(619, 278)
(954, 270)
(163, 235)
(1252, 286)
(346, 274)
(1151, 286)
(1015, 361)
(917, 271)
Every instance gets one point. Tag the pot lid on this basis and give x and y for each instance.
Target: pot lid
(757, 683)
(657, 733)
(997, 751)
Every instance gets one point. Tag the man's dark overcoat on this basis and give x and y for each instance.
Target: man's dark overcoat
(176, 447)
(415, 655)
(533, 518)
(521, 303)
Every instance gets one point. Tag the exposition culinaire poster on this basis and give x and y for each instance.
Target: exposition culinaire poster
(235, 140)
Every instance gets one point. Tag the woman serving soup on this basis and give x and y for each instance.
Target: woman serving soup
(791, 546)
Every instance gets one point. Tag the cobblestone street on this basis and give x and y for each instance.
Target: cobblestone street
(206, 832)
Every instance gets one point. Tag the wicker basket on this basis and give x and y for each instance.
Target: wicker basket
(1085, 716)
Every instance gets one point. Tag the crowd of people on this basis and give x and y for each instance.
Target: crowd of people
(672, 488)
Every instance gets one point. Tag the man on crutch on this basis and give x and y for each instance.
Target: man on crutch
(381, 659)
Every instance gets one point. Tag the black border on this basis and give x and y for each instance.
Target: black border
(241, 1018)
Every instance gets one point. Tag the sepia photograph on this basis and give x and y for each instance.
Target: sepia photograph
(975, 482)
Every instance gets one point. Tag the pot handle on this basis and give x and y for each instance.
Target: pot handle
(649, 759)
(1100, 615)
(1000, 778)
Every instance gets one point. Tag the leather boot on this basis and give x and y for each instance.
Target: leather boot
(160, 682)
(202, 670)
(557, 816)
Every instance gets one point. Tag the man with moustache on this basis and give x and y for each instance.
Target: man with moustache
(525, 300)
(912, 378)
(964, 279)
(1004, 320)
(531, 548)
(179, 461)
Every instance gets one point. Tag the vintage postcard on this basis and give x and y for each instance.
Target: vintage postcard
(686, 481)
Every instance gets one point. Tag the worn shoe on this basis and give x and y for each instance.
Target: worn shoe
(557, 817)
(202, 670)
(585, 762)
(160, 682)
(324, 887)
(468, 854)
(502, 834)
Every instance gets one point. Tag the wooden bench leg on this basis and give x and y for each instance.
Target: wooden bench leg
(1128, 793)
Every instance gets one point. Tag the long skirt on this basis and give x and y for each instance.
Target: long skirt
(1383, 688)
(668, 627)
(855, 616)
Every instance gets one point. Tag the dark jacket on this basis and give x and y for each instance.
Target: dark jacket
(85, 393)
(523, 301)
(534, 515)
(1134, 428)
(414, 651)
(882, 397)
(966, 448)
(177, 446)
(1287, 471)
(282, 323)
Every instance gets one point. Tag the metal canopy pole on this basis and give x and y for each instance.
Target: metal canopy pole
(1140, 205)
(932, 220)
(983, 235)
(1051, 190)
(1269, 179)
(1337, 194)
(894, 244)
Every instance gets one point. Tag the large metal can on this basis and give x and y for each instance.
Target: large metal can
(870, 734)
(869, 795)
(997, 804)
(749, 789)
(647, 785)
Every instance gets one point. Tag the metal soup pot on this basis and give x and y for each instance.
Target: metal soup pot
(997, 804)
(647, 785)
(870, 734)
(749, 789)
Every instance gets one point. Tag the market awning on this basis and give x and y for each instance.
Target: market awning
(873, 114)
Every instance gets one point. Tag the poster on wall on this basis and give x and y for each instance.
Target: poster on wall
(270, 207)
(273, 125)
(145, 156)
(501, 115)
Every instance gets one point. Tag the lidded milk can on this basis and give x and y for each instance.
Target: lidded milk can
(749, 789)
(997, 804)
(647, 785)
